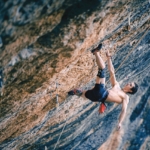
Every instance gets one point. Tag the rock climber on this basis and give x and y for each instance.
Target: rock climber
(100, 94)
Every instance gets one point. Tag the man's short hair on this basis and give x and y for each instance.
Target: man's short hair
(134, 89)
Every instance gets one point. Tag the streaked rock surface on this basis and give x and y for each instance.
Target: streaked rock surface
(45, 51)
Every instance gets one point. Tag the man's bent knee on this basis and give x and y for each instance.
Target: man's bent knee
(101, 73)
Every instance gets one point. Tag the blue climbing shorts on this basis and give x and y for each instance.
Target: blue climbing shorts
(97, 94)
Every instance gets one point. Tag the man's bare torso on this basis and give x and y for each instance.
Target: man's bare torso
(116, 95)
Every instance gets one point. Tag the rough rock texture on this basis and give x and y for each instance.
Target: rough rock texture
(45, 51)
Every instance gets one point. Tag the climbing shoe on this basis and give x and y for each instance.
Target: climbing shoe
(97, 48)
(75, 92)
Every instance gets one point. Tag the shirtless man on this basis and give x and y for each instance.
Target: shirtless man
(100, 94)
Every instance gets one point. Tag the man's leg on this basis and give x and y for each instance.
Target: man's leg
(101, 72)
(101, 65)
(100, 76)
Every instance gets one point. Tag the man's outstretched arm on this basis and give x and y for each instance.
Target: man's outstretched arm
(111, 70)
(123, 111)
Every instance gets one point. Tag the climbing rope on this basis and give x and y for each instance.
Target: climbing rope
(57, 101)
(130, 77)
(63, 127)
(132, 50)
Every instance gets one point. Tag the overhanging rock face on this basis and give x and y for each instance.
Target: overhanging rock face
(45, 51)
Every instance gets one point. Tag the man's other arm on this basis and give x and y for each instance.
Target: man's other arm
(111, 70)
(123, 111)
